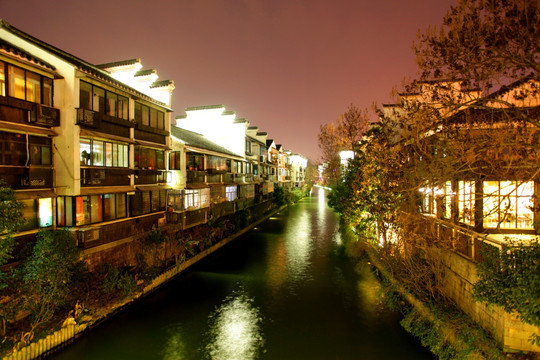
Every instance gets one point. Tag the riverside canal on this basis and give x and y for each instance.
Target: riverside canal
(281, 291)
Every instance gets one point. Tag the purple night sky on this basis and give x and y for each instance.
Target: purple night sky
(288, 66)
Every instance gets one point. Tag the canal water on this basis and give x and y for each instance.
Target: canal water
(282, 291)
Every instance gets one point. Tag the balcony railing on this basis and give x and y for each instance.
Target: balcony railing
(195, 176)
(44, 115)
(99, 176)
(20, 177)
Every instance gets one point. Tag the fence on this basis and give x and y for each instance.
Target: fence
(45, 345)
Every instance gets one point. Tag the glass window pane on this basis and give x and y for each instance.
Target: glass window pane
(112, 100)
(30, 214)
(2, 79)
(109, 205)
(108, 154)
(45, 212)
(60, 211)
(97, 153)
(16, 82)
(122, 107)
(95, 208)
(145, 115)
(138, 113)
(33, 87)
(161, 120)
(47, 91)
(115, 155)
(98, 100)
(153, 118)
(120, 205)
(160, 159)
(85, 95)
(85, 151)
(491, 204)
(126, 156)
(82, 208)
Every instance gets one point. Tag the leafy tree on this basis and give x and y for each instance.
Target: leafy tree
(344, 134)
(10, 220)
(50, 272)
(484, 43)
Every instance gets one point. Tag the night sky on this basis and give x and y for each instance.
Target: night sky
(288, 66)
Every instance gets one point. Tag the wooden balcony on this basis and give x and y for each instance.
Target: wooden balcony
(146, 177)
(194, 176)
(104, 123)
(147, 133)
(103, 176)
(32, 177)
(26, 112)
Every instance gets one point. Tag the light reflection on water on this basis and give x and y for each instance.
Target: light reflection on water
(235, 330)
(299, 246)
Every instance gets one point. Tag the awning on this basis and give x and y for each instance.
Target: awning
(152, 145)
(92, 133)
(5, 125)
(106, 190)
(34, 194)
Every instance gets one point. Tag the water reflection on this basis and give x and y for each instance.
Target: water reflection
(235, 329)
(299, 246)
(175, 348)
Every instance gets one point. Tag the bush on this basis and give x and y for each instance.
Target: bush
(50, 273)
(118, 281)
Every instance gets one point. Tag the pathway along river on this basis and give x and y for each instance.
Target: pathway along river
(282, 291)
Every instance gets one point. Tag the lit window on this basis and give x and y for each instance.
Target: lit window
(466, 202)
(508, 204)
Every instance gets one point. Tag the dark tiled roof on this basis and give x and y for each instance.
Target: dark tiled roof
(9, 47)
(253, 127)
(81, 64)
(197, 140)
(262, 133)
(242, 120)
(269, 142)
(145, 72)
(161, 83)
(204, 107)
(119, 63)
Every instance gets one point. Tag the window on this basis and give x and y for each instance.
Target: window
(192, 199)
(2, 79)
(230, 193)
(33, 87)
(90, 209)
(217, 194)
(174, 160)
(16, 82)
(216, 163)
(508, 204)
(148, 116)
(100, 153)
(26, 85)
(98, 99)
(248, 146)
(151, 159)
(37, 213)
(466, 202)
(94, 98)
(195, 162)
(14, 148)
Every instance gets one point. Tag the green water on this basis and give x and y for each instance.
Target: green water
(282, 291)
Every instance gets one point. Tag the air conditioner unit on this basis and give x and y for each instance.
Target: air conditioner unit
(43, 115)
(88, 236)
